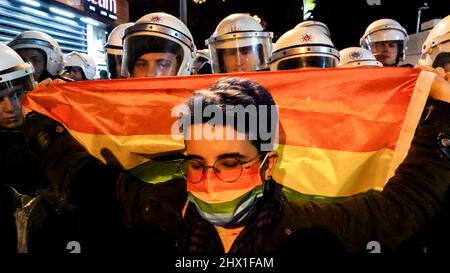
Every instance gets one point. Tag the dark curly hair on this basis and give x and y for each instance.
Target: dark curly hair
(228, 94)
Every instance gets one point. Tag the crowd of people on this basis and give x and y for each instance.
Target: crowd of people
(74, 197)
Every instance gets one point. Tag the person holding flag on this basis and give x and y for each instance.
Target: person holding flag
(23, 184)
(228, 200)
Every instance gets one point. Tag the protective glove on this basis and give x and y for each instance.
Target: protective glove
(40, 131)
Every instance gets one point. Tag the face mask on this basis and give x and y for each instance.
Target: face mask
(227, 203)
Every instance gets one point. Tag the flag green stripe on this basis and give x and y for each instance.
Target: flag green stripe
(224, 207)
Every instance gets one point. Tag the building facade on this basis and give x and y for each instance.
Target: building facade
(77, 25)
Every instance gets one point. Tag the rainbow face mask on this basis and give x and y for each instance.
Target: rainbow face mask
(227, 203)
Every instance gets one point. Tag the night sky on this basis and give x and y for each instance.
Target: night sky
(347, 19)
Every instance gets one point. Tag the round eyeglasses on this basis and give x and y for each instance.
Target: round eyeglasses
(227, 169)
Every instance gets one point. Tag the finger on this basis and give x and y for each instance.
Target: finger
(58, 81)
(426, 68)
(441, 72)
(45, 83)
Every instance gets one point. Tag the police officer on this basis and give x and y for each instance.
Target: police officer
(239, 44)
(387, 40)
(114, 49)
(19, 170)
(158, 44)
(357, 56)
(202, 64)
(315, 24)
(42, 51)
(436, 48)
(304, 47)
(79, 66)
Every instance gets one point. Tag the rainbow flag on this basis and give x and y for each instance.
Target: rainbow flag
(342, 131)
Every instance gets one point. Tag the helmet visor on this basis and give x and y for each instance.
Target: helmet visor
(17, 77)
(114, 64)
(20, 85)
(151, 56)
(316, 61)
(75, 73)
(201, 66)
(240, 54)
(385, 35)
(12, 91)
(387, 52)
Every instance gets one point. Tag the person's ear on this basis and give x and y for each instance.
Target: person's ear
(272, 158)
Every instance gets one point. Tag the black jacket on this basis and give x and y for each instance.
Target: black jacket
(52, 222)
(151, 213)
(18, 167)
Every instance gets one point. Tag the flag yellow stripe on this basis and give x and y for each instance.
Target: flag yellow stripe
(332, 173)
(129, 151)
(307, 170)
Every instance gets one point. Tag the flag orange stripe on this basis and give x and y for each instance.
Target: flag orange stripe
(359, 105)
(280, 82)
(343, 98)
(322, 130)
(302, 128)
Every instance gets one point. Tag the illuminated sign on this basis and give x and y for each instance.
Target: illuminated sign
(308, 7)
(72, 3)
(107, 8)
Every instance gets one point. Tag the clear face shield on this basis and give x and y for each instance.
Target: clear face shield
(201, 66)
(75, 73)
(313, 61)
(114, 64)
(12, 90)
(151, 56)
(18, 77)
(388, 46)
(315, 56)
(244, 53)
(387, 52)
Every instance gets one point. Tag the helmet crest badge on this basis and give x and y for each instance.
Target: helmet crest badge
(306, 38)
(155, 19)
(355, 55)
